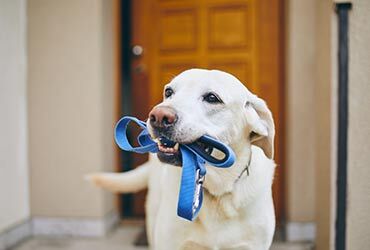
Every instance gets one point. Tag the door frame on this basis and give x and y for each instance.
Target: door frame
(122, 47)
(122, 79)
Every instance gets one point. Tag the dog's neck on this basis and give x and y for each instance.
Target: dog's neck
(220, 181)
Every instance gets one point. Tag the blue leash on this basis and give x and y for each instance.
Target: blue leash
(193, 161)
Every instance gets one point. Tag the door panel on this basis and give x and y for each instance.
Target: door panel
(228, 27)
(177, 32)
(242, 37)
(206, 34)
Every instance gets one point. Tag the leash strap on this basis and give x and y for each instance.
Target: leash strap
(193, 163)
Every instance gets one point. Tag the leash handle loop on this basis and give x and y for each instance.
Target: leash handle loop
(225, 162)
(193, 163)
(120, 135)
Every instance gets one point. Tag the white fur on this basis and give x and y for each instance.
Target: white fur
(236, 213)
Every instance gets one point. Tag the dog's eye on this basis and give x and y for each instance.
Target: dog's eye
(212, 98)
(168, 92)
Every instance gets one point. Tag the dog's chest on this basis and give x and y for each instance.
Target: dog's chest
(219, 220)
(218, 209)
(212, 233)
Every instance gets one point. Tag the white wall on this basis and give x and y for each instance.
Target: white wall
(311, 120)
(300, 124)
(325, 125)
(71, 106)
(358, 206)
(14, 198)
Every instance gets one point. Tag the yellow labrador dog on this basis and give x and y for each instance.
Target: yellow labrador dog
(238, 211)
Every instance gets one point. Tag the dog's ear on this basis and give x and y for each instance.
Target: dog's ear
(260, 119)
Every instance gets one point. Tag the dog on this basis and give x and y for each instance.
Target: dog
(238, 210)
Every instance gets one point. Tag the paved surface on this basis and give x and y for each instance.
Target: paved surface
(120, 239)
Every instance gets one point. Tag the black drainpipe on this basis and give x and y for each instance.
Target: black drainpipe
(340, 223)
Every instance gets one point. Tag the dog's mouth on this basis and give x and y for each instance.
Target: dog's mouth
(165, 145)
(169, 151)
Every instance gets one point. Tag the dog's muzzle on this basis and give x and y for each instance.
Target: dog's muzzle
(162, 117)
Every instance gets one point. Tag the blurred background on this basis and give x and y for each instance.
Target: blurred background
(69, 69)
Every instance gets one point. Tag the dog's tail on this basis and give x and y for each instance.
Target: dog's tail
(128, 182)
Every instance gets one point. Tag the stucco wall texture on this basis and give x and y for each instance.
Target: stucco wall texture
(71, 107)
(358, 219)
(14, 191)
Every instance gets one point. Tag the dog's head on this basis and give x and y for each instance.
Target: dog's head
(211, 102)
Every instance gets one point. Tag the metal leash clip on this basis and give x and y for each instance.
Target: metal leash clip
(199, 180)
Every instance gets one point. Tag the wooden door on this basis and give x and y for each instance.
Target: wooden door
(242, 37)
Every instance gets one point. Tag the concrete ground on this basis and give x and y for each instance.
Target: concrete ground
(121, 238)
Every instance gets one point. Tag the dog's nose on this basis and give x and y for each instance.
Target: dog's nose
(162, 117)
